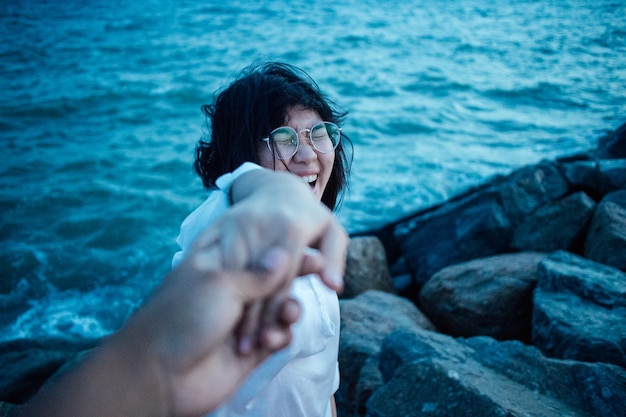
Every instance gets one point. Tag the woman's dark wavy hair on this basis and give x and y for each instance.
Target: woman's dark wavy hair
(250, 108)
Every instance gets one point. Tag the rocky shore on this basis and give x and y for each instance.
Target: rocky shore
(508, 300)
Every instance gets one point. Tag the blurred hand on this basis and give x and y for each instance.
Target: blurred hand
(228, 302)
(274, 209)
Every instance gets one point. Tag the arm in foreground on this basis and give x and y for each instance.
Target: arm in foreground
(187, 334)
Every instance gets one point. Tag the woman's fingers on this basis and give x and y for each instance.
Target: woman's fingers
(332, 246)
(312, 262)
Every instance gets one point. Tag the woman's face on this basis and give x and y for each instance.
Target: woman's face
(312, 166)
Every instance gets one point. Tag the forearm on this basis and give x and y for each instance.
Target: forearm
(110, 381)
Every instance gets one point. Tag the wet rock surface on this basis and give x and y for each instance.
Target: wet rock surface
(520, 286)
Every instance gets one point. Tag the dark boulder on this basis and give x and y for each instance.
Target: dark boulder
(606, 239)
(579, 310)
(488, 296)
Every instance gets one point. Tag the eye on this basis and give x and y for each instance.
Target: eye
(319, 133)
(283, 137)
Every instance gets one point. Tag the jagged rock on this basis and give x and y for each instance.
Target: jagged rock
(606, 239)
(7, 409)
(365, 321)
(595, 177)
(530, 188)
(489, 296)
(425, 373)
(368, 381)
(470, 228)
(526, 207)
(612, 145)
(579, 310)
(612, 173)
(366, 267)
(582, 174)
(555, 226)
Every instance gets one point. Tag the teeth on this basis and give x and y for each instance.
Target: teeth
(309, 178)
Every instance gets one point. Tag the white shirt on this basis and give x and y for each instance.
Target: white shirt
(299, 379)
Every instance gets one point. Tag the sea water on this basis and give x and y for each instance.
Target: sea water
(99, 116)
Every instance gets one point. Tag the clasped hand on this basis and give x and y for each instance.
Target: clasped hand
(229, 299)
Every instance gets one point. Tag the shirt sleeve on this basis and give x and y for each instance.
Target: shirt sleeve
(208, 212)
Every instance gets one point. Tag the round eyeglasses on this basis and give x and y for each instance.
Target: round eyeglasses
(283, 141)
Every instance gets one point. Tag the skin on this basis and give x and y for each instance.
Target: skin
(307, 161)
(159, 363)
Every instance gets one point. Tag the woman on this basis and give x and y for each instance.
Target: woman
(274, 116)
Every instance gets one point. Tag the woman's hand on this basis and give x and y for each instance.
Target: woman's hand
(276, 208)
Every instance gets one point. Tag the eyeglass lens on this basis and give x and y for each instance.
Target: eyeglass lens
(323, 136)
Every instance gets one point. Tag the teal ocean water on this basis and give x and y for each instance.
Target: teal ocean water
(99, 115)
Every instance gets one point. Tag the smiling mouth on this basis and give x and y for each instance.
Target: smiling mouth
(310, 179)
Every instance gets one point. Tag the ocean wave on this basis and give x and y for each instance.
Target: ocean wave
(541, 95)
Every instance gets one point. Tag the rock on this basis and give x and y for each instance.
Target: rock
(425, 373)
(582, 174)
(365, 321)
(555, 226)
(530, 188)
(368, 381)
(612, 145)
(606, 239)
(469, 228)
(579, 310)
(595, 177)
(612, 174)
(7, 409)
(527, 207)
(489, 296)
(366, 267)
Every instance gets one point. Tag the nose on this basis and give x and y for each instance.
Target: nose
(305, 152)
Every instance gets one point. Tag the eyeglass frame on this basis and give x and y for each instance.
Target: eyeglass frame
(297, 132)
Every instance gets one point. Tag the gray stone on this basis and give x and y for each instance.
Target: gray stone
(432, 374)
(582, 174)
(366, 267)
(612, 175)
(579, 310)
(554, 226)
(530, 188)
(470, 228)
(613, 144)
(565, 272)
(365, 321)
(606, 238)
(489, 296)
